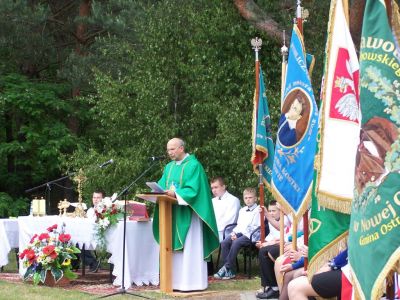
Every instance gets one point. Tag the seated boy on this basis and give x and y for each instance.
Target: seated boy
(268, 251)
(248, 221)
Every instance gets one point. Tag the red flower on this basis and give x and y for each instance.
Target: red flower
(33, 238)
(51, 228)
(22, 254)
(48, 250)
(64, 237)
(30, 254)
(53, 255)
(44, 236)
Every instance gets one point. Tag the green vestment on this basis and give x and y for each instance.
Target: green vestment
(189, 181)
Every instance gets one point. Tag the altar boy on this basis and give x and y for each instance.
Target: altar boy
(248, 221)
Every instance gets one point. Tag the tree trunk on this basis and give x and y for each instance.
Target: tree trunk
(249, 10)
(356, 20)
(81, 40)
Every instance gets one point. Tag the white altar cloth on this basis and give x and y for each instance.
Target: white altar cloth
(141, 250)
(141, 253)
(8, 238)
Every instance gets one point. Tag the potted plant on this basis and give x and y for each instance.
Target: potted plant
(49, 254)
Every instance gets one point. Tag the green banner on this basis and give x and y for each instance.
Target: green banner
(328, 228)
(374, 233)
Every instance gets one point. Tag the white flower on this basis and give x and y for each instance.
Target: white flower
(113, 197)
(99, 207)
(106, 222)
(107, 202)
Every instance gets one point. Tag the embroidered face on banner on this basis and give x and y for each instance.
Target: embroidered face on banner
(344, 100)
(295, 117)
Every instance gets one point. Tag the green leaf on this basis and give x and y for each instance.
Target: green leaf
(43, 274)
(75, 249)
(29, 272)
(69, 274)
(36, 278)
(57, 273)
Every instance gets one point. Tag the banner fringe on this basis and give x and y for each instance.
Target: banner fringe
(378, 287)
(326, 253)
(334, 203)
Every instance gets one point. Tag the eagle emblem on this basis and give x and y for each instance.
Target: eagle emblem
(344, 97)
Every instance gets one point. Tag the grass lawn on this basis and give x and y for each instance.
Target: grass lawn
(11, 291)
(21, 290)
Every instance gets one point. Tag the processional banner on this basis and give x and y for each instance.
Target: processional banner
(374, 233)
(263, 145)
(340, 115)
(292, 173)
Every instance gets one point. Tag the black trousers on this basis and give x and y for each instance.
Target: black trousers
(230, 249)
(328, 284)
(267, 265)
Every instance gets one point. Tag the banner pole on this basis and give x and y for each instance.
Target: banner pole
(299, 20)
(281, 231)
(284, 53)
(261, 193)
(256, 44)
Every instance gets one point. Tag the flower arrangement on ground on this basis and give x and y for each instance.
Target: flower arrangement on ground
(50, 251)
(108, 213)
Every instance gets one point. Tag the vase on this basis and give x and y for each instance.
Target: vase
(50, 281)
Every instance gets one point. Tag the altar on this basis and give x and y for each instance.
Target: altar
(141, 250)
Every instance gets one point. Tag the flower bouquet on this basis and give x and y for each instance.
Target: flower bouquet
(108, 213)
(49, 252)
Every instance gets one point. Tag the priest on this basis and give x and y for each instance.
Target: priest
(194, 229)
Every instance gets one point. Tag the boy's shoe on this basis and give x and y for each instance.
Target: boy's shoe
(260, 291)
(229, 274)
(269, 294)
(221, 273)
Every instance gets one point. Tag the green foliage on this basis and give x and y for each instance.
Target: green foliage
(191, 75)
(147, 71)
(33, 115)
(10, 207)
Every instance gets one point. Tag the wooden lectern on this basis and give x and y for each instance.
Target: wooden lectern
(165, 228)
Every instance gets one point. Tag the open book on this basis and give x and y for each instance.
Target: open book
(155, 187)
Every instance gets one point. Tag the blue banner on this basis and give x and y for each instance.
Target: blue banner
(292, 173)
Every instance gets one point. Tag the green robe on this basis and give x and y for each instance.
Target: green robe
(190, 182)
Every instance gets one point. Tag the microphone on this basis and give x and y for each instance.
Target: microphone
(155, 158)
(109, 162)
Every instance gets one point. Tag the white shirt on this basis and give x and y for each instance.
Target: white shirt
(274, 233)
(226, 209)
(90, 214)
(248, 220)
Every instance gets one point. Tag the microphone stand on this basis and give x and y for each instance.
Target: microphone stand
(123, 290)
